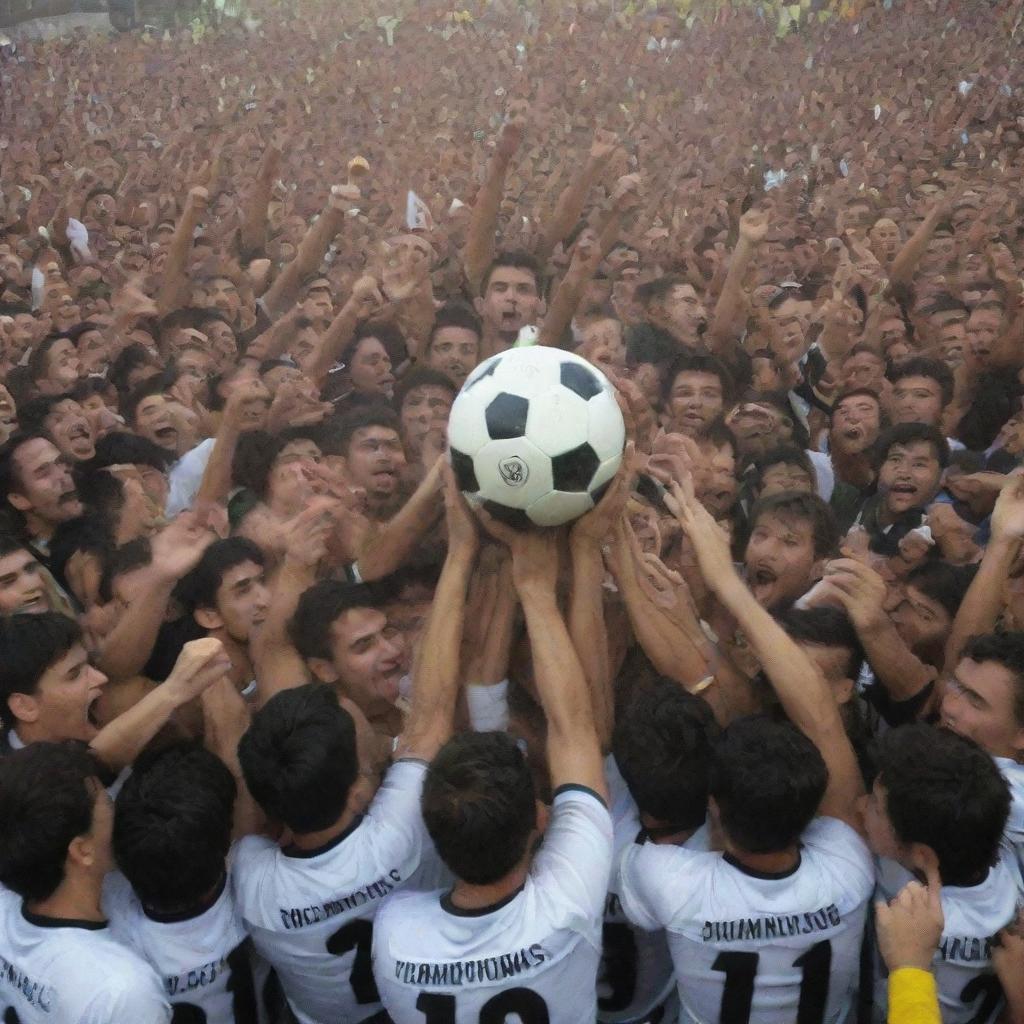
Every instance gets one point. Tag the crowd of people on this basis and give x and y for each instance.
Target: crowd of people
(291, 733)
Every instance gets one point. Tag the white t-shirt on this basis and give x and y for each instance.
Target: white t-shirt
(1013, 834)
(636, 974)
(534, 955)
(969, 992)
(310, 913)
(185, 476)
(751, 947)
(71, 972)
(204, 961)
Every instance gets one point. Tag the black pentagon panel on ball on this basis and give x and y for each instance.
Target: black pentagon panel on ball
(574, 470)
(514, 517)
(579, 379)
(465, 475)
(477, 377)
(506, 416)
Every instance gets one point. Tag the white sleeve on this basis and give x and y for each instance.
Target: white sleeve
(571, 870)
(394, 815)
(138, 998)
(186, 476)
(488, 706)
(655, 882)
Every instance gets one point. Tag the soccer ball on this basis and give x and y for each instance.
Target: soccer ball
(535, 436)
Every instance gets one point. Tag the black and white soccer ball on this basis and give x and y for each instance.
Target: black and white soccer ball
(535, 436)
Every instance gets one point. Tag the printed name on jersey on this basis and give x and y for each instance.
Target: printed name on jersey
(965, 949)
(36, 993)
(747, 928)
(198, 977)
(298, 917)
(484, 971)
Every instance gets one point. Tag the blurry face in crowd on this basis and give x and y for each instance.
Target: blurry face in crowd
(758, 427)
(923, 623)
(885, 240)
(952, 342)
(864, 370)
(454, 351)
(93, 356)
(424, 408)
(222, 293)
(909, 477)
(780, 561)
(681, 312)
(374, 460)
(695, 400)
(785, 476)
(787, 326)
(718, 488)
(978, 703)
(856, 421)
(21, 584)
(153, 420)
(603, 343)
(512, 300)
(45, 488)
(241, 604)
(195, 363)
(223, 345)
(305, 346)
(917, 400)
(71, 430)
(61, 371)
(982, 331)
(371, 368)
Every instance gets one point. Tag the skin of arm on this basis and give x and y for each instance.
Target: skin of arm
(216, 483)
(753, 229)
(174, 278)
(200, 663)
(479, 247)
(907, 259)
(253, 235)
(365, 296)
(800, 687)
(436, 672)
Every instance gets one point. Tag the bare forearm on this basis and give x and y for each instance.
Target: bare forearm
(589, 636)
(118, 744)
(480, 236)
(254, 221)
(899, 671)
(395, 542)
(564, 303)
(216, 483)
(177, 259)
(127, 649)
(282, 293)
(277, 665)
(980, 608)
(907, 259)
(730, 301)
(340, 332)
(568, 208)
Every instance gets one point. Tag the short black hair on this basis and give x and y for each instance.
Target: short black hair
(825, 627)
(39, 356)
(47, 796)
(172, 826)
(782, 455)
(923, 366)
(129, 359)
(697, 362)
(767, 779)
(946, 792)
(658, 289)
(803, 508)
(339, 436)
(199, 588)
(943, 583)
(663, 744)
(122, 448)
(253, 460)
(1006, 649)
(299, 757)
(32, 414)
(912, 433)
(120, 560)
(518, 259)
(455, 314)
(318, 608)
(479, 805)
(155, 385)
(29, 645)
(421, 377)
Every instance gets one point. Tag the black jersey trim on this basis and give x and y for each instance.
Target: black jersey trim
(188, 915)
(40, 921)
(768, 876)
(450, 908)
(294, 851)
(570, 787)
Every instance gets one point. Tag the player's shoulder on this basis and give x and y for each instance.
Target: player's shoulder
(405, 906)
(831, 840)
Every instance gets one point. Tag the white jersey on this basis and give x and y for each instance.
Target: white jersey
(969, 992)
(204, 960)
(71, 972)
(533, 956)
(752, 947)
(636, 974)
(1013, 834)
(310, 912)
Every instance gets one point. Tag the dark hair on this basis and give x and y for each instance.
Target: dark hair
(10, 542)
(421, 377)
(943, 302)
(385, 332)
(151, 386)
(1005, 649)
(199, 588)
(478, 805)
(32, 414)
(922, 366)
(339, 436)
(102, 492)
(768, 779)
(697, 362)
(299, 757)
(663, 745)
(783, 455)
(29, 645)
(946, 792)
(318, 608)
(803, 508)
(129, 359)
(943, 583)
(120, 560)
(47, 797)
(911, 433)
(121, 448)
(253, 460)
(825, 627)
(37, 360)
(658, 289)
(172, 826)
(517, 259)
(89, 386)
(856, 393)
(455, 314)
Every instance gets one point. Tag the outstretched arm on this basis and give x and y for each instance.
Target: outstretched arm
(753, 229)
(253, 235)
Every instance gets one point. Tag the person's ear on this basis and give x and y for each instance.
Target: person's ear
(24, 707)
(82, 851)
(842, 690)
(323, 670)
(19, 501)
(1018, 744)
(542, 307)
(923, 860)
(208, 618)
(818, 569)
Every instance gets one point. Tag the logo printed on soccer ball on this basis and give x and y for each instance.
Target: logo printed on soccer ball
(514, 471)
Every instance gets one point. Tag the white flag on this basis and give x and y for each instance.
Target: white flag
(417, 213)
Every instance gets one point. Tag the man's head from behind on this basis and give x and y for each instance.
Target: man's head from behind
(479, 806)
(47, 687)
(767, 780)
(299, 758)
(172, 827)
(57, 820)
(663, 745)
(937, 795)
